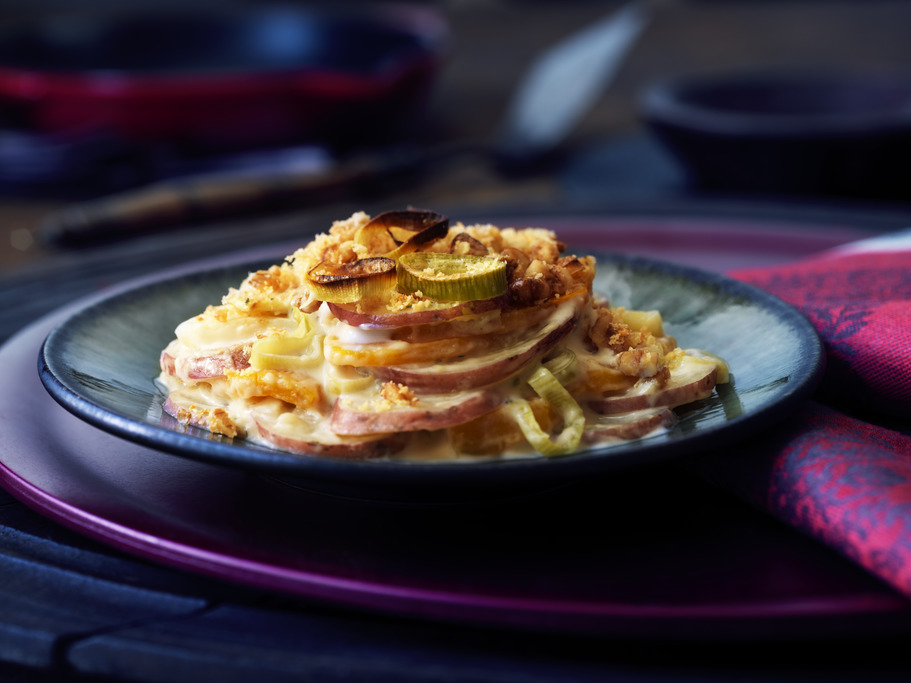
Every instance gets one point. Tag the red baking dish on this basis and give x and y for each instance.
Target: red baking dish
(221, 79)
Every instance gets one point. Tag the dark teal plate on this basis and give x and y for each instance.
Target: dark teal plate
(100, 364)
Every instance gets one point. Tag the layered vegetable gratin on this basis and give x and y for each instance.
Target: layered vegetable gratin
(404, 336)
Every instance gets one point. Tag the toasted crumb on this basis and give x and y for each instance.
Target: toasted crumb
(216, 420)
(398, 394)
(409, 302)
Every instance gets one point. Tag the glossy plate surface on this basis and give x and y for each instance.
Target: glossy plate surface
(649, 552)
(101, 362)
(636, 552)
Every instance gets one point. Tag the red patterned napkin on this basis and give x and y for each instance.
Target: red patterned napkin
(841, 469)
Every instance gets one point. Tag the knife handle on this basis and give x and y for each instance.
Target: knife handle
(176, 203)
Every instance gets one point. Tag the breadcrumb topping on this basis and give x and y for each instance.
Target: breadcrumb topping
(398, 394)
(443, 351)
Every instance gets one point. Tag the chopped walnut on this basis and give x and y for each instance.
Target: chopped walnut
(464, 244)
(638, 352)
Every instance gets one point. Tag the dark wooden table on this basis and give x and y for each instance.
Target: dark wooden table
(74, 609)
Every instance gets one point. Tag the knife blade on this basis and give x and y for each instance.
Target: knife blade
(556, 92)
(565, 82)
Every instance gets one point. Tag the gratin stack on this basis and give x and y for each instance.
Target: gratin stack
(404, 336)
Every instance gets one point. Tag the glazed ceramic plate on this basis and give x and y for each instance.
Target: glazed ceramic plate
(641, 553)
(101, 363)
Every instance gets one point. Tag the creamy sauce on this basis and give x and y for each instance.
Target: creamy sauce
(293, 409)
(357, 388)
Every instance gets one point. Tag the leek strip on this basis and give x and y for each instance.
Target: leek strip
(301, 318)
(305, 327)
(301, 350)
(287, 353)
(451, 277)
(345, 283)
(394, 233)
(564, 366)
(547, 387)
(346, 379)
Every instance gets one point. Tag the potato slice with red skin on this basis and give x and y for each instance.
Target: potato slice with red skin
(385, 319)
(694, 382)
(513, 322)
(430, 412)
(352, 447)
(207, 366)
(167, 362)
(628, 426)
(328, 444)
(472, 373)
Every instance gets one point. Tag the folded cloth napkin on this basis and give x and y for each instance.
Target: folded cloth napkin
(840, 470)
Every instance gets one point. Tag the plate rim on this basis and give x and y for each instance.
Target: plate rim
(326, 471)
(786, 617)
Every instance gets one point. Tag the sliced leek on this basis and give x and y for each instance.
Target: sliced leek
(346, 379)
(287, 353)
(451, 277)
(303, 320)
(345, 283)
(394, 233)
(547, 387)
(564, 366)
(299, 351)
(305, 328)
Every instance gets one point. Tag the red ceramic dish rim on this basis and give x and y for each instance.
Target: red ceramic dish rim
(35, 85)
(32, 85)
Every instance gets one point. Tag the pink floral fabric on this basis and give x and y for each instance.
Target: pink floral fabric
(840, 470)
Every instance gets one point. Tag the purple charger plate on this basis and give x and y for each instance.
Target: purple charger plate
(647, 553)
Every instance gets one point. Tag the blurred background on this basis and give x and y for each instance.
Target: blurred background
(98, 99)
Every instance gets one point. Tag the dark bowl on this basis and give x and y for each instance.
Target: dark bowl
(227, 78)
(828, 134)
